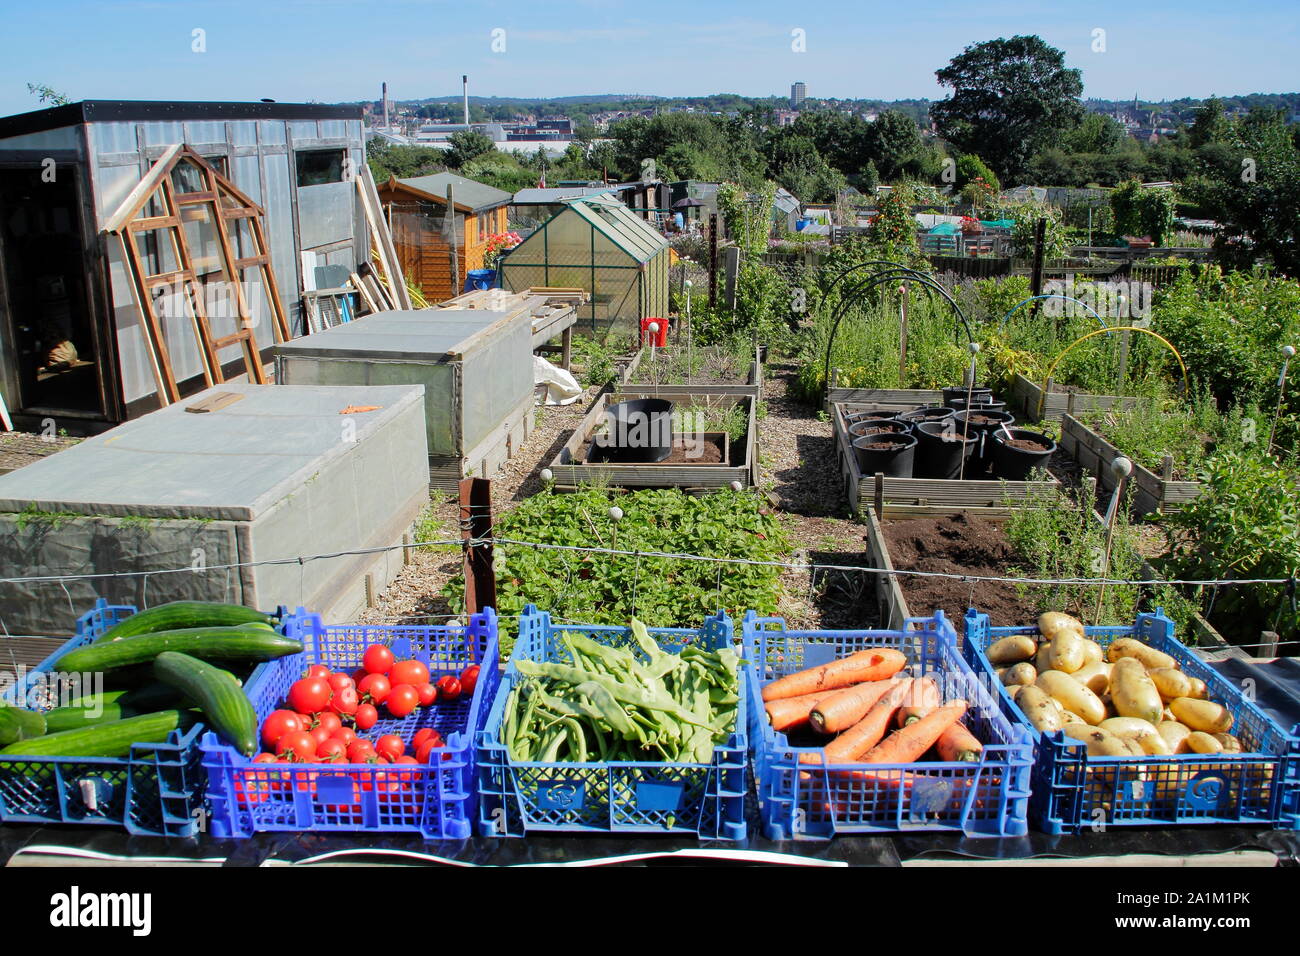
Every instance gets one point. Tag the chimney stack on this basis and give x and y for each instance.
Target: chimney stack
(385, 97)
(464, 86)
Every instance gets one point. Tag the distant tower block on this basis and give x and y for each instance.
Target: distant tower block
(798, 93)
(464, 89)
(384, 97)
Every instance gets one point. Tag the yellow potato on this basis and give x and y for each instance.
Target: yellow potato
(1012, 649)
(1229, 743)
(1041, 662)
(1095, 676)
(1136, 729)
(1202, 715)
(1022, 673)
(1069, 718)
(1149, 656)
(1175, 735)
(1101, 743)
(1203, 743)
(1092, 652)
(1199, 690)
(1167, 714)
(1072, 695)
(1133, 692)
(1052, 623)
(1171, 683)
(1039, 709)
(1065, 652)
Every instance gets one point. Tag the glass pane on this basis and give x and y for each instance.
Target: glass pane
(271, 132)
(199, 221)
(187, 178)
(157, 251)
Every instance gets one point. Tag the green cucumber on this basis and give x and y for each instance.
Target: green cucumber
(217, 694)
(97, 710)
(207, 643)
(104, 740)
(18, 723)
(152, 696)
(183, 614)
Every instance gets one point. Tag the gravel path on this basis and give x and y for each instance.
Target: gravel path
(797, 456)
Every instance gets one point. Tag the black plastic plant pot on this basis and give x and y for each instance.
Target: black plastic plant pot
(981, 421)
(638, 430)
(940, 450)
(1016, 456)
(876, 414)
(979, 394)
(886, 454)
(959, 404)
(931, 414)
(878, 426)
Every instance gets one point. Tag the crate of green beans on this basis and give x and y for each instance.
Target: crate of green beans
(616, 729)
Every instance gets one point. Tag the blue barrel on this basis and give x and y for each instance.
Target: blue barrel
(480, 279)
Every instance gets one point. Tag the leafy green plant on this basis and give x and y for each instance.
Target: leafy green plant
(610, 589)
(1143, 210)
(1245, 524)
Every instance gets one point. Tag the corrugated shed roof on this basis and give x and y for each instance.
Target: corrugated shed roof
(555, 194)
(466, 192)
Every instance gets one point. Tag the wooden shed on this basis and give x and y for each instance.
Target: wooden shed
(422, 233)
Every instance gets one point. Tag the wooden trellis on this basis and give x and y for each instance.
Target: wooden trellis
(180, 189)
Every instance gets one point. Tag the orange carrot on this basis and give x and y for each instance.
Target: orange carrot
(875, 663)
(844, 708)
(907, 745)
(924, 693)
(910, 715)
(867, 732)
(793, 712)
(958, 743)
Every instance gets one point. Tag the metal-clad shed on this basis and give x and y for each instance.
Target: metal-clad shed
(63, 282)
(598, 245)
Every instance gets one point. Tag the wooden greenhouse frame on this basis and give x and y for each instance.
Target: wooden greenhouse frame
(157, 207)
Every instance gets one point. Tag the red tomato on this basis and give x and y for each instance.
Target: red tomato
(390, 746)
(366, 716)
(249, 788)
(264, 758)
(427, 748)
(403, 700)
(329, 749)
(330, 721)
(374, 688)
(469, 679)
(360, 750)
(448, 688)
(345, 734)
(318, 670)
(359, 675)
(344, 702)
(421, 735)
(309, 695)
(277, 724)
(378, 659)
(409, 672)
(298, 745)
(319, 734)
(340, 682)
(406, 758)
(428, 694)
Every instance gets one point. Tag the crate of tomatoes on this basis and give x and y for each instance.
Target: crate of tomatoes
(371, 728)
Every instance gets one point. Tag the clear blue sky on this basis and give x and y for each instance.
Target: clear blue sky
(338, 50)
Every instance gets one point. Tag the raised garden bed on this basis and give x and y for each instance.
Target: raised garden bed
(718, 463)
(883, 397)
(965, 544)
(893, 497)
(707, 370)
(1026, 398)
(1151, 492)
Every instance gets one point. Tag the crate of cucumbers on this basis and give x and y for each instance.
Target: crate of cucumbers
(106, 730)
(370, 729)
(879, 731)
(602, 729)
(1130, 728)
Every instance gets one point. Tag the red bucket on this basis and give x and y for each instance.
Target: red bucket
(659, 337)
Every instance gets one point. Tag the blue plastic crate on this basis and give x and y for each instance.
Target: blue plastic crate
(436, 800)
(517, 798)
(815, 801)
(156, 790)
(1072, 790)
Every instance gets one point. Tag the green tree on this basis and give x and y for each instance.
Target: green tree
(466, 146)
(970, 168)
(1096, 134)
(1211, 124)
(1010, 99)
(891, 143)
(1143, 210)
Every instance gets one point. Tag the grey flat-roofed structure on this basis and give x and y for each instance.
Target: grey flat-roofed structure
(278, 474)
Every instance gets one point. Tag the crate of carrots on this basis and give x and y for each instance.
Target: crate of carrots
(879, 731)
